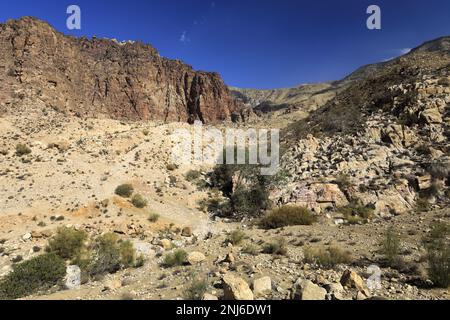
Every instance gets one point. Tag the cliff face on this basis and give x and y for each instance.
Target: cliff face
(104, 78)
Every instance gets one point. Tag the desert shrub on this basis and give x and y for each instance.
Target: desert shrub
(176, 258)
(153, 217)
(251, 249)
(29, 277)
(343, 181)
(287, 216)
(356, 213)
(276, 246)
(236, 237)
(390, 247)
(422, 205)
(193, 175)
(139, 201)
(4, 152)
(437, 244)
(439, 170)
(444, 82)
(145, 132)
(109, 255)
(127, 254)
(124, 190)
(68, 243)
(327, 257)
(246, 189)
(423, 149)
(22, 149)
(196, 290)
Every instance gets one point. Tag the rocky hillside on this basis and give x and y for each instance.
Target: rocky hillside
(382, 143)
(104, 78)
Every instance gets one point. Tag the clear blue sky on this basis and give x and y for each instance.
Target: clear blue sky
(255, 43)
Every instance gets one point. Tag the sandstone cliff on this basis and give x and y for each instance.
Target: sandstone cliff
(104, 78)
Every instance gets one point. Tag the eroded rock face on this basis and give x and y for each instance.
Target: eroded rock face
(105, 78)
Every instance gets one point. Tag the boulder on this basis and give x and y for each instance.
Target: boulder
(195, 258)
(351, 279)
(236, 288)
(73, 277)
(307, 290)
(262, 286)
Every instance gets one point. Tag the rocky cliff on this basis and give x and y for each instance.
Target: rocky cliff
(104, 78)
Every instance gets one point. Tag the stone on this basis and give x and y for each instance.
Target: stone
(236, 288)
(424, 182)
(307, 290)
(432, 116)
(209, 297)
(187, 232)
(73, 277)
(195, 258)
(166, 244)
(26, 236)
(351, 279)
(262, 286)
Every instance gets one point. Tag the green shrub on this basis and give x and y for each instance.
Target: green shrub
(177, 258)
(276, 246)
(251, 249)
(422, 205)
(124, 190)
(390, 247)
(423, 149)
(437, 244)
(127, 254)
(22, 150)
(107, 255)
(139, 201)
(153, 217)
(68, 243)
(355, 213)
(236, 237)
(193, 175)
(287, 216)
(196, 290)
(327, 257)
(343, 181)
(29, 277)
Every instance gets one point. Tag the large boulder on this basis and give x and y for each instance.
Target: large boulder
(351, 279)
(262, 286)
(307, 290)
(235, 288)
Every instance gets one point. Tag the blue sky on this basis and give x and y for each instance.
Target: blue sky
(255, 43)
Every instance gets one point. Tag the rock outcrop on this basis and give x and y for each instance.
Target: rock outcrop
(104, 78)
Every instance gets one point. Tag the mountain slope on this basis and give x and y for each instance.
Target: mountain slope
(104, 78)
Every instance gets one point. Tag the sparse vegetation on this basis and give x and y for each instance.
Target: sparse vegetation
(68, 243)
(176, 258)
(109, 255)
(287, 216)
(236, 237)
(196, 290)
(22, 150)
(29, 277)
(124, 190)
(343, 181)
(276, 246)
(153, 217)
(422, 205)
(437, 244)
(193, 175)
(251, 249)
(390, 247)
(327, 257)
(139, 201)
(356, 213)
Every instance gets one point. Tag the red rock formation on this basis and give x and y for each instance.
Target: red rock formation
(104, 78)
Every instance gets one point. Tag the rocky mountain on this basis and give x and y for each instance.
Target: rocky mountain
(383, 142)
(104, 78)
